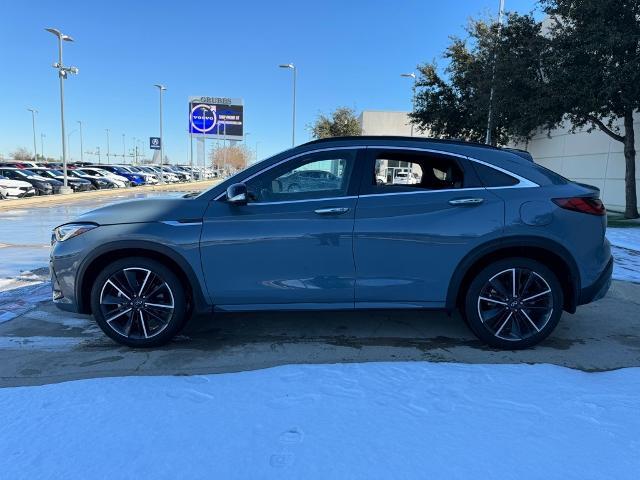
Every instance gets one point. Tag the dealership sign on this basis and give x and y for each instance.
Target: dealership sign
(216, 117)
(154, 143)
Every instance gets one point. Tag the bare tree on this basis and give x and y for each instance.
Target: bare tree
(22, 154)
(230, 158)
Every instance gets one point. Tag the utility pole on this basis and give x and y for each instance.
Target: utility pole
(493, 77)
(42, 135)
(292, 67)
(161, 88)
(33, 124)
(108, 151)
(81, 147)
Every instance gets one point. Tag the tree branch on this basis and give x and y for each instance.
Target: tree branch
(605, 129)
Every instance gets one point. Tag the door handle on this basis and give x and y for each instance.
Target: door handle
(332, 211)
(466, 201)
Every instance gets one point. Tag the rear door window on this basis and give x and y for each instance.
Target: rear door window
(400, 170)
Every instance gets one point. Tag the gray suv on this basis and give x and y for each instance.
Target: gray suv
(480, 229)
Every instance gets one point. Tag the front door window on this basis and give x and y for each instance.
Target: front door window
(313, 176)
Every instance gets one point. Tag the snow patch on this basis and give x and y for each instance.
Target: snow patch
(625, 247)
(369, 421)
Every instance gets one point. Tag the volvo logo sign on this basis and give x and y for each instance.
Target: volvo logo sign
(203, 118)
(216, 117)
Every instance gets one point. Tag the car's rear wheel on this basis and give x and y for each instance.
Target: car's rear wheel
(514, 303)
(138, 302)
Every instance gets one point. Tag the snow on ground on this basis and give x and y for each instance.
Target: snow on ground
(22, 297)
(369, 421)
(625, 247)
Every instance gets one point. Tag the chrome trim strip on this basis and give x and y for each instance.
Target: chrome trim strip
(347, 197)
(417, 191)
(522, 182)
(175, 223)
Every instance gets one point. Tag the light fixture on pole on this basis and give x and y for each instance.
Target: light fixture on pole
(293, 125)
(161, 88)
(413, 97)
(63, 72)
(81, 146)
(33, 124)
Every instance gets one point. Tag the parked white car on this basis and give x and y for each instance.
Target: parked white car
(121, 182)
(403, 178)
(15, 188)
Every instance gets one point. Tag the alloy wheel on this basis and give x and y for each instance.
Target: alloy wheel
(136, 303)
(515, 304)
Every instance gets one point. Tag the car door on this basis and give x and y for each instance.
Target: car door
(409, 238)
(285, 248)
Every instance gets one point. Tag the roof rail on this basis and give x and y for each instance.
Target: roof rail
(402, 138)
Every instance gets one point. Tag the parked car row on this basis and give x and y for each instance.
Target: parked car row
(20, 179)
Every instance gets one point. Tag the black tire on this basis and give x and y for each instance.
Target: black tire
(503, 321)
(158, 325)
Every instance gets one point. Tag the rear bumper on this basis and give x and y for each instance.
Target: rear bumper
(599, 288)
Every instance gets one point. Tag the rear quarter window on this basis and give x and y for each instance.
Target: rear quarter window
(490, 177)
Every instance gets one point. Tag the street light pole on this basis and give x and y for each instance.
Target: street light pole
(293, 125)
(413, 98)
(161, 88)
(124, 149)
(63, 72)
(81, 147)
(42, 135)
(69, 142)
(108, 150)
(487, 139)
(33, 124)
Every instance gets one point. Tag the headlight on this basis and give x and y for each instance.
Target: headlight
(70, 230)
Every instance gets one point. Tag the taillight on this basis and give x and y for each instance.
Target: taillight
(592, 206)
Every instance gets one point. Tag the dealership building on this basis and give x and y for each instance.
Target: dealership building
(587, 157)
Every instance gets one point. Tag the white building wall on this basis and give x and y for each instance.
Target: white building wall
(593, 158)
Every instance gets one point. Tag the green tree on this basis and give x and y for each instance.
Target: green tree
(506, 59)
(342, 123)
(594, 72)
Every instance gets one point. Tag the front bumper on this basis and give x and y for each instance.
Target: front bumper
(599, 288)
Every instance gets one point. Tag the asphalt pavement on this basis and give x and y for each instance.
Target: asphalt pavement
(44, 345)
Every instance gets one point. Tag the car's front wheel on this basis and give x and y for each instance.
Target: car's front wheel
(514, 303)
(138, 302)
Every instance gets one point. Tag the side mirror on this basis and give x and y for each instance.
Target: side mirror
(237, 194)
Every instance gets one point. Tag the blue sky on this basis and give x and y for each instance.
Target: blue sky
(347, 53)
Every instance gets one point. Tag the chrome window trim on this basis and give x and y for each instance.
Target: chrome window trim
(522, 181)
(347, 197)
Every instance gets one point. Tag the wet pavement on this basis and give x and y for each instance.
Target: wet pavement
(25, 232)
(44, 345)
